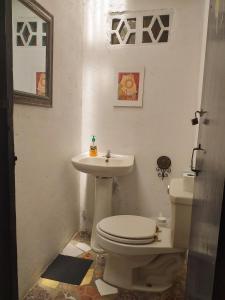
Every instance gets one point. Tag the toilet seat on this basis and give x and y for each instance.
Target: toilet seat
(127, 229)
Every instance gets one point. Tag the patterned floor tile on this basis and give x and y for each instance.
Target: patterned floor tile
(61, 291)
(88, 292)
(38, 293)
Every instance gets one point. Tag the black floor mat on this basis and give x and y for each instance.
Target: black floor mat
(68, 269)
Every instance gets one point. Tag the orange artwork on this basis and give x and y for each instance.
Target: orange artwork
(128, 86)
(41, 83)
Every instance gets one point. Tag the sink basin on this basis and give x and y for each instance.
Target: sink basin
(116, 165)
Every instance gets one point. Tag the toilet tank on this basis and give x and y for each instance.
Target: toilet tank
(181, 211)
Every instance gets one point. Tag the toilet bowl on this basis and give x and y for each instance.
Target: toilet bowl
(142, 256)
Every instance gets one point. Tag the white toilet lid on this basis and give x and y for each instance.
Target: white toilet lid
(128, 229)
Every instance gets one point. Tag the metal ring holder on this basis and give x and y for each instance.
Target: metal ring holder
(164, 166)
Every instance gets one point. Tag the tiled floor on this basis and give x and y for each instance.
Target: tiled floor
(52, 290)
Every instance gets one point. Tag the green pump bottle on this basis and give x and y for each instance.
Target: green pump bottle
(93, 147)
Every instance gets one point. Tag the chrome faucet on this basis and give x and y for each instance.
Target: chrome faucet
(108, 154)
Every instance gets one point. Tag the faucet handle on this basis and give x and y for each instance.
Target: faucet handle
(108, 153)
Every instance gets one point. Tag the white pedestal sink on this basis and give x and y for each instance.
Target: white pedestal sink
(104, 169)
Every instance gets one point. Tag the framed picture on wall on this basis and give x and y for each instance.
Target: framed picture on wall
(129, 87)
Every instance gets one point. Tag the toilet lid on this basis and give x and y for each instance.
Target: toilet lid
(129, 228)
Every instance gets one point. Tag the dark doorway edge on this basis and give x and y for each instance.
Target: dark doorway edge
(219, 278)
(8, 249)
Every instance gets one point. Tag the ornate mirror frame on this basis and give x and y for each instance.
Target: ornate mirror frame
(29, 98)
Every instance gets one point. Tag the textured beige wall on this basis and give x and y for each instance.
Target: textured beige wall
(47, 187)
(171, 95)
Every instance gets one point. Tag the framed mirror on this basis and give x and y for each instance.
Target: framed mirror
(32, 53)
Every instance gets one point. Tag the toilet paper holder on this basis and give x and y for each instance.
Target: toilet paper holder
(193, 169)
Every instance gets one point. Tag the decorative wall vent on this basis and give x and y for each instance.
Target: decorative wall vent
(31, 33)
(144, 28)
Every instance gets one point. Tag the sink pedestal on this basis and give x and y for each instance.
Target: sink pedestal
(103, 206)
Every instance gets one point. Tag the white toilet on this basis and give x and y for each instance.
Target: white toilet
(142, 256)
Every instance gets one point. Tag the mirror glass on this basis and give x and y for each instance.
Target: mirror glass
(32, 67)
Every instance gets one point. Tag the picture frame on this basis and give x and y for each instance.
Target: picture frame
(129, 87)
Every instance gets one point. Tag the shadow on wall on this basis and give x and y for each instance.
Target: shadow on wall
(87, 207)
(130, 196)
(124, 188)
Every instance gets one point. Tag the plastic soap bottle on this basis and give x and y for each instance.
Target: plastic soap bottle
(93, 147)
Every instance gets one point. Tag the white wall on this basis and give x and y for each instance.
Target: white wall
(171, 95)
(47, 187)
(202, 63)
